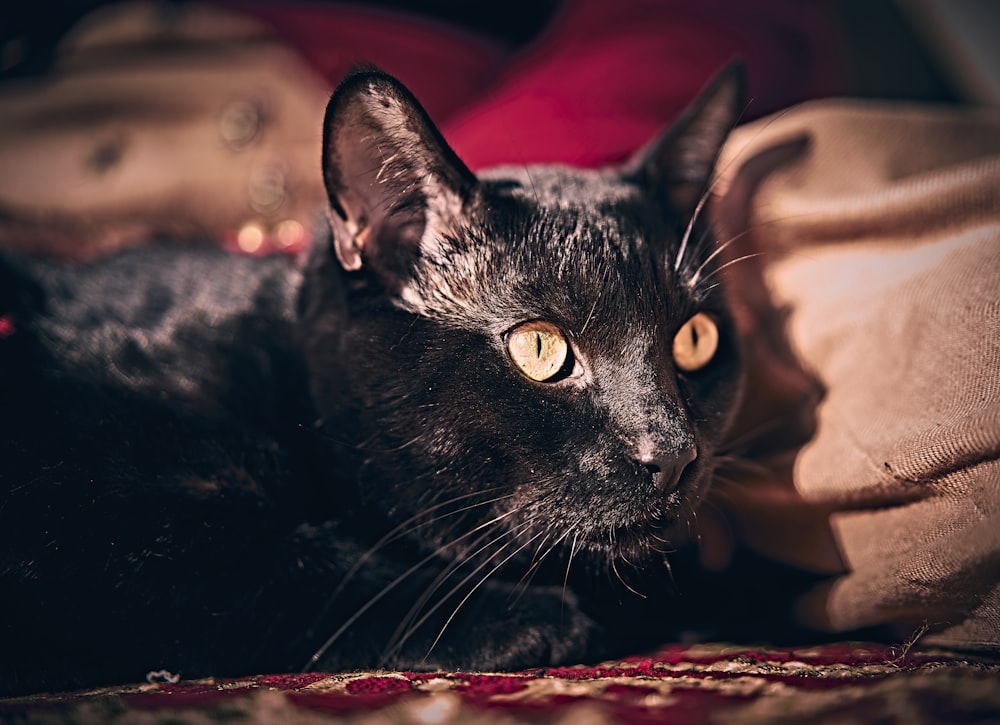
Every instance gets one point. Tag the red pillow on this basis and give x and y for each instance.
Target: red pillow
(600, 81)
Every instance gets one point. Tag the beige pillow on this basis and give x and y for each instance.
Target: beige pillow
(878, 228)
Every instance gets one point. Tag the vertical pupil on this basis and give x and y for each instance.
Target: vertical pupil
(694, 335)
(538, 345)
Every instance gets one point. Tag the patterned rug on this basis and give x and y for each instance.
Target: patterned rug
(705, 683)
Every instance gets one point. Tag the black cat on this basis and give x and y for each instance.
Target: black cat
(457, 435)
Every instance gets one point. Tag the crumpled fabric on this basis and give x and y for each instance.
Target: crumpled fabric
(878, 233)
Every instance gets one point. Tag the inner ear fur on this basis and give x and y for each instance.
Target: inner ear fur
(391, 179)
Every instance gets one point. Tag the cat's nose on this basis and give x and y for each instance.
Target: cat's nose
(666, 468)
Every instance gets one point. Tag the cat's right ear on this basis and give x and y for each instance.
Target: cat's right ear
(678, 165)
(393, 183)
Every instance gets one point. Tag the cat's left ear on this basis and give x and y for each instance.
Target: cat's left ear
(680, 162)
(393, 183)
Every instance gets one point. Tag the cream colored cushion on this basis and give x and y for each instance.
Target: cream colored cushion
(879, 233)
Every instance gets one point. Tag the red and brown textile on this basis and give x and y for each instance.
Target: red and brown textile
(707, 683)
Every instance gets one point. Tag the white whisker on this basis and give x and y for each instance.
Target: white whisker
(378, 597)
(479, 584)
(398, 637)
(624, 583)
(690, 226)
(395, 646)
(400, 531)
(731, 263)
(693, 280)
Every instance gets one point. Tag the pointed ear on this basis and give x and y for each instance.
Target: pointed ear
(679, 163)
(392, 180)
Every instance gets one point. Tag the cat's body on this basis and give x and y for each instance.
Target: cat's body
(456, 435)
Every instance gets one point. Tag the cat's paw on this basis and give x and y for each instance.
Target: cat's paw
(544, 627)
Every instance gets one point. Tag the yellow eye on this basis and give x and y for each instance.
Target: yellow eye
(696, 342)
(538, 349)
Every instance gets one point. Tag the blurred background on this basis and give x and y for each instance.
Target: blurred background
(125, 122)
(936, 50)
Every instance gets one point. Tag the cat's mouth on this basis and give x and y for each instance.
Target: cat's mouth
(668, 509)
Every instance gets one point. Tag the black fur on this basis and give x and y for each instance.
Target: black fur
(223, 465)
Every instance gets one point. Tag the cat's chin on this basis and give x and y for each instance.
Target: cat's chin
(651, 539)
(652, 532)
(666, 525)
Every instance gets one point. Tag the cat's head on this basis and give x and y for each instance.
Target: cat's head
(547, 349)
